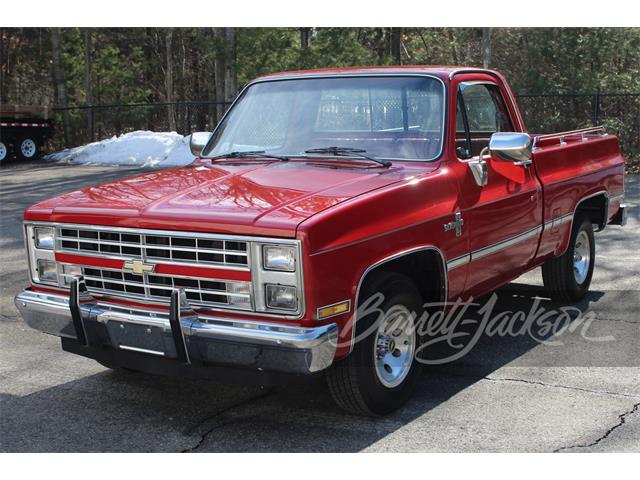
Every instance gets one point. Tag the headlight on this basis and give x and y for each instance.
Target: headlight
(280, 258)
(281, 297)
(47, 271)
(40, 242)
(277, 277)
(43, 237)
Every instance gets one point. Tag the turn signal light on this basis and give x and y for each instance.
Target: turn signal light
(335, 309)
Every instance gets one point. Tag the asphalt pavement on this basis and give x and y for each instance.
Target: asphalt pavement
(577, 391)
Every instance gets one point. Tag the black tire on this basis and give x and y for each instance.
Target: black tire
(353, 381)
(27, 148)
(563, 283)
(4, 151)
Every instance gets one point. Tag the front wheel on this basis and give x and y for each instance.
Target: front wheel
(381, 372)
(27, 148)
(568, 277)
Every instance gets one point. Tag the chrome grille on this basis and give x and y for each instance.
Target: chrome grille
(174, 248)
(164, 248)
(159, 287)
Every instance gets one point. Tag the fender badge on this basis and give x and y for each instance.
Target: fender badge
(456, 224)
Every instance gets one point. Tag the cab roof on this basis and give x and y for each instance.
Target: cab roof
(442, 71)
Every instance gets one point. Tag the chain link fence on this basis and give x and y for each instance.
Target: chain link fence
(543, 113)
(618, 112)
(90, 123)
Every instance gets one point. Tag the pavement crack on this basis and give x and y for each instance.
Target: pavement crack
(620, 320)
(217, 416)
(622, 418)
(555, 385)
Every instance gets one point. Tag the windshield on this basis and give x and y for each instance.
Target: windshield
(397, 118)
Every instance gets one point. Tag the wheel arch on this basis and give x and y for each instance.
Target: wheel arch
(416, 263)
(596, 207)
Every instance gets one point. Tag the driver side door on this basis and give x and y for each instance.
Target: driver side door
(504, 216)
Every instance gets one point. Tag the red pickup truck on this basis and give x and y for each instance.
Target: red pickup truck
(318, 191)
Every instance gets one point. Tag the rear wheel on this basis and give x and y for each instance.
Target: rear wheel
(4, 151)
(381, 372)
(27, 148)
(568, 277)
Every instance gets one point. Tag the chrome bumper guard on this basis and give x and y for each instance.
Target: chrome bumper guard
(180, 334)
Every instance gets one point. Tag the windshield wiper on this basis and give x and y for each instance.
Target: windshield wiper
(249, 154)
(348, 152)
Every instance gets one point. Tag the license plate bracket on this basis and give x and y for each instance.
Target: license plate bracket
(141, 338)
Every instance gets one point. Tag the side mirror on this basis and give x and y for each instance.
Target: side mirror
(511, 147)
(198, 141)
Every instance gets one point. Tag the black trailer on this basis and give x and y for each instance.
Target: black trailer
(24, 130)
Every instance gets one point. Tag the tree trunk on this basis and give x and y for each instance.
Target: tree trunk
(88, 84)
(452, 45)
(304, 38)
(59, 82)
(168, 80)
(396, 40)
(230, 78)
(210, 86)
(219, 69)
(486, 47)
(183, 87)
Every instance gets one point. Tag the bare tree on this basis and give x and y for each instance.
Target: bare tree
(304, 38)
(219, 69)
(396, 40)
(230, 79)
(59, 82)
(88, 91)
(486, 47)
(168, 79)
(451, 40)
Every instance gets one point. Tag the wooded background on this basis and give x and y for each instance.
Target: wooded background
(182, 78)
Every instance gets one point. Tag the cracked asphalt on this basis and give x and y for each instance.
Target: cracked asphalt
(508, 394)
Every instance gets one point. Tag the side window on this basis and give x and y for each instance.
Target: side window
(480, 113)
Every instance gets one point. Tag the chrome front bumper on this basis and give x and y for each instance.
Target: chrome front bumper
(181, 335)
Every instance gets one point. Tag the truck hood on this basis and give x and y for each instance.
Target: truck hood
(248, 198)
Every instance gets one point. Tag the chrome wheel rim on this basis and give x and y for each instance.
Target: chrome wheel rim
(395, 345)
(581, 257)
(3, 151)
(28, 148)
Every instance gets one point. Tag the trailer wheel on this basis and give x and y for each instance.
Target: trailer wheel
(4, 151)
(27, 148)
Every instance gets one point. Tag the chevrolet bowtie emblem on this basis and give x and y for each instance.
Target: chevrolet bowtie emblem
(139, 267)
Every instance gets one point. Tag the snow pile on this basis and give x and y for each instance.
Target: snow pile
(144, 148)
